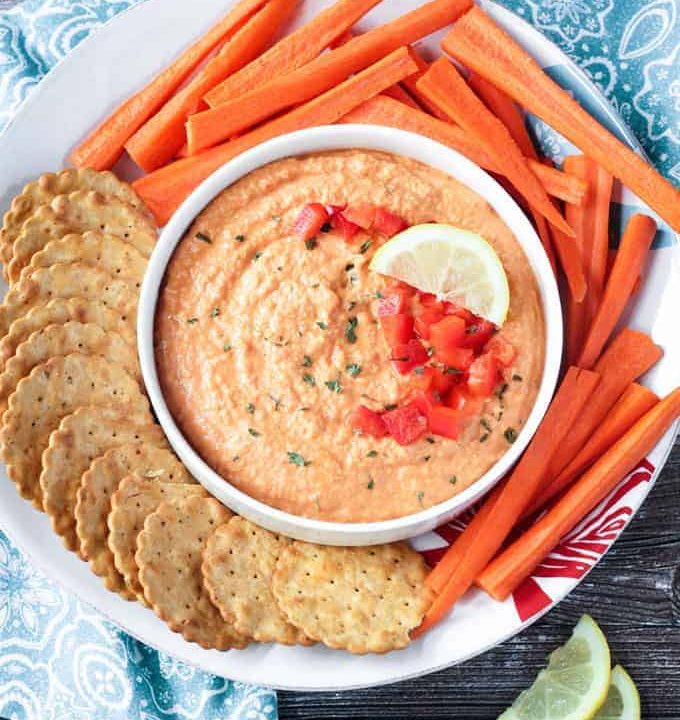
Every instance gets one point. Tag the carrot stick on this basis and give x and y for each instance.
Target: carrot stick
(293, 51)
(511, 116)
(517, 562)
(159, 139)
(411, 84)
(629, 355)
(233, 116)
(443, 85)
(165, 189)
(629, 408)
(635, 243)
(382, 110)
(575, 390)
(440, 574)
(480, 44)
(104, 145)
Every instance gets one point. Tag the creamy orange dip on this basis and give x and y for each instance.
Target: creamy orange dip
(253, 357)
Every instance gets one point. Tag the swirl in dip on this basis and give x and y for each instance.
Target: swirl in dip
(253, 357)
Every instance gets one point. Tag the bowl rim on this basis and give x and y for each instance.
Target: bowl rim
(330, 138)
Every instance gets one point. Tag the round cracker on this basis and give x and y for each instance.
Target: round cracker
(93, 503)
(53, 390)
(360, 599)
(67, 280)
(168, 554)
(238, 563)
(70, 337)
(79, 212)
(47, 186)
(80, 438)
(107, 252)
(59, 311)
(133, 501)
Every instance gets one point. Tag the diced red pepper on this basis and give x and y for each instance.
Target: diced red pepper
(310, 220)
(361, 214)
(368, 422)
(459, 399)
(348, 229)
(430, 301)
(462, 312)
(406, 424)
(445, 421)
(502, 350)
(449, 332)
(422, 378)
(425, 400)
(425, 320)
(392, 302)
(407, 356)
(455, 357)
(483, 375)
(388, 223)
(398, 328)
(478, 334)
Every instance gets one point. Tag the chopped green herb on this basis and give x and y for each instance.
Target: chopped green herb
(326, 227)
(311, 243)
(517, 378)
(322, 324)
(364, 247)
(250, 408)
(420, 495)
(427, 457)
(214, 312)
(257, 256)
(297, 459)
(309, 379)
(349, 266)
(276, 218)
(304, 409)
(371, 483)
(226, 347)
(192, 321)
(453, 479)
(484, 437)
(379, 295)
(279, 343)
(510, 435)
(239, 238)
(351, 305)
(390, 406)
(253, 432)
(372, 453)
(236, 458)
(276, 401)
(350, 330)
(353, 369)
(334, 386)
(485, 424)
(431, 440)
(203, 238)
(306, 361)
(502, 390)
(450, 370)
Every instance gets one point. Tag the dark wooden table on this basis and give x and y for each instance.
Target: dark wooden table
(634, 593)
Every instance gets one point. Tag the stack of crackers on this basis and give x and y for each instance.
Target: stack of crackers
(81, 443)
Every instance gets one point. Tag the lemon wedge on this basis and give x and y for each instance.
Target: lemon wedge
(453, 264)
(623, 700)
(575, 683)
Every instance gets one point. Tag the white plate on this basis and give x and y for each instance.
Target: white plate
(74, 97)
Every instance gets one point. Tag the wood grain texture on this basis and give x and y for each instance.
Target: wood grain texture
(634, 593)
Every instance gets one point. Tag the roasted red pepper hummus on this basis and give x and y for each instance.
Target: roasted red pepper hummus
(266, 344)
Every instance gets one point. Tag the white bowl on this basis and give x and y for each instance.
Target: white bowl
(320, 139)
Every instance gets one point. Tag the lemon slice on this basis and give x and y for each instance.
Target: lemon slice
(453, 264)
(575, 683)
(623, 700)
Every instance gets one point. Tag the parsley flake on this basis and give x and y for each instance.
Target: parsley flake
(214, 312)
(226, 347)
(309, 379)
(517, 378)
(431, 440)
(364, 247)
(322, 324)
(353, 369)
(427, 458)
(203, 237)
(379, 295)
(453, 479)
(485, 424)
(239, 238)
(484, 437)
(250, 408)
(306, 361)
(296, 459)
(510, 435)
(350, 330)
(257, 256)
(192, 321)
(334, 386)
(390, 406)
(311, 243)
(371, 483)
(372, 453)
(253, 432)
(420, 495)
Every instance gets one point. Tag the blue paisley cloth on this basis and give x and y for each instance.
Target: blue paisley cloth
(60, 659)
